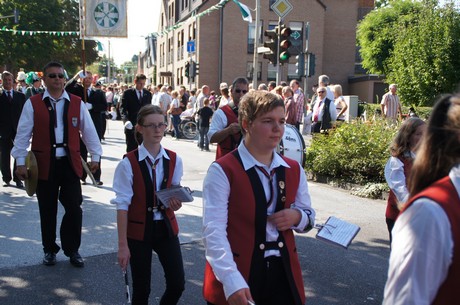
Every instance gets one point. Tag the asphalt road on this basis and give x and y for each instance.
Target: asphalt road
(332, 275)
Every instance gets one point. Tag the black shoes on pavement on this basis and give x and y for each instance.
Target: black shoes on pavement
(49, 259)
(75, 259)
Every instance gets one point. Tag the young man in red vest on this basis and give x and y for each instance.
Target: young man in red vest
(224, 129)
(253, 200)
(55, 121)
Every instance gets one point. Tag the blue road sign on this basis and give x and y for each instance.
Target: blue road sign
(191, 46)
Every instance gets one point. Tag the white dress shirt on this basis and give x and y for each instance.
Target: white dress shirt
(216, 191)
(123, 178)
(394, 176)
(218, 122)
(26, 125)
(421, 253)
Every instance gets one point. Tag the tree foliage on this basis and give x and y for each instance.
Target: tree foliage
(416, 45)
(32, 52)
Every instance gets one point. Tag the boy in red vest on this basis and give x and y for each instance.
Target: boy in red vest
(253, 200)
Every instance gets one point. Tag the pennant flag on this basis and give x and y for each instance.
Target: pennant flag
(245, 11)
(100, 46)
(106, 18)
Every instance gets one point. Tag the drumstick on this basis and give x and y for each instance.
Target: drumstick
(128, 294)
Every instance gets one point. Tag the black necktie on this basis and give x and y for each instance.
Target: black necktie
(10, 98)
(154, 179)
(140, 97)
(270, 178)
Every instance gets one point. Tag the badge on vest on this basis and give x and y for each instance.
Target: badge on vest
(74, 121)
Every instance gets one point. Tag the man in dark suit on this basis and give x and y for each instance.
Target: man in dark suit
(132, 100)
(96, 104)
(11, 104)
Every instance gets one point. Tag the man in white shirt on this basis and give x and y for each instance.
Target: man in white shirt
(324, 112)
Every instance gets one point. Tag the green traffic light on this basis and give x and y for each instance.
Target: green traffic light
(284, 56)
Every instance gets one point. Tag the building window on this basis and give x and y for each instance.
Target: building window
(271, 72)
(292, 72)
(250, 71)
(251, 35)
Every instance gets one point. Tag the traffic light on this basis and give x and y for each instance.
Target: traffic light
(192, 71)
(285, 43)
(187, 69)
(196, 68)
(272, 44)
(311, 64)
(300, 65)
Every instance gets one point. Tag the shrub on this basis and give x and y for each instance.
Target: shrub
(354, 152)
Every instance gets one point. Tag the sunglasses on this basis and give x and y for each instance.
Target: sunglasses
(321, 91)
(54, 75)
(239, 91)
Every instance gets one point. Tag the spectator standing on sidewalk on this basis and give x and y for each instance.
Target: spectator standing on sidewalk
(299, 100)
(205, 115)
(253, 199)
(145, 223)
(391, 106)
(425, 253)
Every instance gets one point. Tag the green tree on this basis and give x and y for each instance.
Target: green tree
(416, 45)
(32, 52)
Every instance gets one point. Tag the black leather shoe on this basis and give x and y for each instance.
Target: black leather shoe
(19, 184)
(49, 259)
(5, 184)
(76, 260)
(98, 182)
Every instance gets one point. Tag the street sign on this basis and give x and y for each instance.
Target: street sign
(263, 50)
(191, 46)
(282, 8)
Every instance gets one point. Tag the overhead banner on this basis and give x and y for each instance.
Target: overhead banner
(104, 18)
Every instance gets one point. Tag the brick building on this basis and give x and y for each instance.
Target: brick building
(224, 43)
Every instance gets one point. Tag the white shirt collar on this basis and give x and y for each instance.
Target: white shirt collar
(249, 161)
(143, 153)
(454, 176)
(64, 95)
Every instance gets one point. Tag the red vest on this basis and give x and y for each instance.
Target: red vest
(241, 229)
(138, 216)
(392, 211)
(43, 140)
(444, 193)
(231, 142)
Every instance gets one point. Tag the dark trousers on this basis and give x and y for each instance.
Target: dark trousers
(316, 127)
(390, 225)
(64, 185)
(6, 144)
(131, 143)
(170, 256)
(176, 122)
(276, 289)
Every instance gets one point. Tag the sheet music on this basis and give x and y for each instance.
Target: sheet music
(182, 193)
(338, 232)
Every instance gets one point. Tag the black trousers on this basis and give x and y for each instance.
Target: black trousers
(170, 256)
(131, 143)
(6, 144)
(276, 287)
(64, 185)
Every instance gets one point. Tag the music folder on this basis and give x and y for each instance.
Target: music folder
(337, 232)
(182, 193)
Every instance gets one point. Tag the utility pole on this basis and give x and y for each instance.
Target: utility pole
(255, 63)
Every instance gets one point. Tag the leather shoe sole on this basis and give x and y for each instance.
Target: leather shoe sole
(49, 259)
(76, 260)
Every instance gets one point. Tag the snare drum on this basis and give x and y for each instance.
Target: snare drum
(292, 145)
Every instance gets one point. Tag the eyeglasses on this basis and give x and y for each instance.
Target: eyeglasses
(155, 126)
(322, 91)
(239, 91)
(54, 75)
